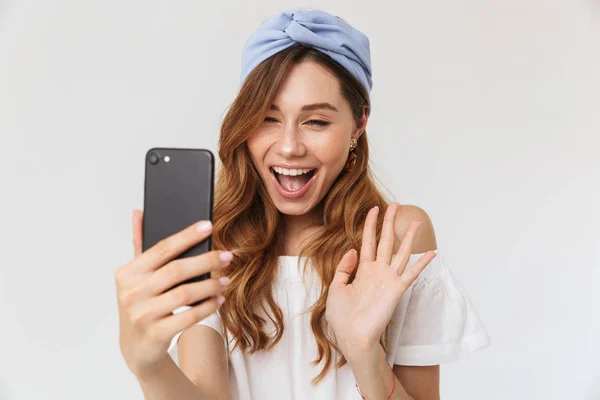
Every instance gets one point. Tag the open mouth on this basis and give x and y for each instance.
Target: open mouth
(293, 183)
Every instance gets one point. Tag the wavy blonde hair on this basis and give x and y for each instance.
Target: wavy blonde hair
(247, 222)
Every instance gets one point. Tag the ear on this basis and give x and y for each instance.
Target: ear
(360, 129)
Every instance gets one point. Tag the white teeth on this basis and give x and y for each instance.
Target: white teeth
(291, 172)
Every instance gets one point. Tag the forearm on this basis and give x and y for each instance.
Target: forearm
(168, 382)
(374, 376)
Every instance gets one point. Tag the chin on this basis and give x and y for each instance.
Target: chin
(288, 208)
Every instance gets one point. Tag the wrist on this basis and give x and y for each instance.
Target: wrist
(375, 378)
(388, 369)
(363, 355)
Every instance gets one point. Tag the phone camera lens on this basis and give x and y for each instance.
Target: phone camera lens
(153, 158)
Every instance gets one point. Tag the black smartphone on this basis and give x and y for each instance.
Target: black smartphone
(178, 191)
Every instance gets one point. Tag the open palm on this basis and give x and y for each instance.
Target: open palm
(359, 312)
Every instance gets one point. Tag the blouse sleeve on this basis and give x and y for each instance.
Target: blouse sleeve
(213, 320)
(440, 324)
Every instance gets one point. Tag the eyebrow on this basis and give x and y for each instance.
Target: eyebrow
(310, 107)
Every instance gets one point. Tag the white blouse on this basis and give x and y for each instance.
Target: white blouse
(434, 323)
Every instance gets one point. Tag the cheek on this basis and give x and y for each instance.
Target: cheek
(257, 147)
(332, 152)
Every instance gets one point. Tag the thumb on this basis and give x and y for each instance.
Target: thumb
(136, 227)
(344, 269)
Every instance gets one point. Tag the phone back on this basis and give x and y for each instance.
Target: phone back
(178, 191)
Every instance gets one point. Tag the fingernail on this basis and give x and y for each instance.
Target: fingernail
(224, 280)
(226, 256)
(204, 226)
(220, 299)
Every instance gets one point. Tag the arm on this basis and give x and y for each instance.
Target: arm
(420, 382)
(375, 378)
(202, 371)
(167, 381)
(371, 371)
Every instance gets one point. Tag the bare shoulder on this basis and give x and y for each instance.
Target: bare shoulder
(425, 239)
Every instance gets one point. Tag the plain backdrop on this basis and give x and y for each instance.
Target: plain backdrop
(486, 114)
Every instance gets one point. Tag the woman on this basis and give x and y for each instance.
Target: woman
(370, 313)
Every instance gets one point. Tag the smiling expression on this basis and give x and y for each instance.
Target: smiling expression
(309, 125)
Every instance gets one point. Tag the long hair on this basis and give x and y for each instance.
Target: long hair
(247, 222)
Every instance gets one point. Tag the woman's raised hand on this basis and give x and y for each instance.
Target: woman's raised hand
(359, 312)
(147, 296)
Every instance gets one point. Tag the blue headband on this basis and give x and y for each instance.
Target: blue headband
(317, 29)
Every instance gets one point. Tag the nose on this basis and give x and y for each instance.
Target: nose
(291, 144)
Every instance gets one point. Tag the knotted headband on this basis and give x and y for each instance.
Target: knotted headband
(318, 29)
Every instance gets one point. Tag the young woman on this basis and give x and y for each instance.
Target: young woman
(321, 287)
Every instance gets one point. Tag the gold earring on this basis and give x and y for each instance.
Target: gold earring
(352, 156)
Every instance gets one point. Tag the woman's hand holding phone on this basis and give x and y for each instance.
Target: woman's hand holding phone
(147, 293)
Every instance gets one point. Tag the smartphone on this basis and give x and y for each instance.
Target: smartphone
(178, 191)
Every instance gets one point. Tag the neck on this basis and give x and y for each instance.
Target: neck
(297, 228)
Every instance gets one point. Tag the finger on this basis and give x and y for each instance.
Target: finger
(183, 295)
(176, 323)
(170, 247)
(409, 276)
(388, 236)
(369, 239)
(344, 269)
(405, 250)
(178, 271)
(136, 225)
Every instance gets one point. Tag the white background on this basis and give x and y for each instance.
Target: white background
(485, 114)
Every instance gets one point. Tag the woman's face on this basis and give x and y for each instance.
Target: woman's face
(309, 126)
